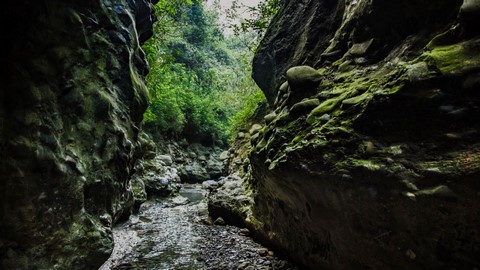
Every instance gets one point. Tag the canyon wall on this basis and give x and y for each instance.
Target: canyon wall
(72, 100)
(370, 158)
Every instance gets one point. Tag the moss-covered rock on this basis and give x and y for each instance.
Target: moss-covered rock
(70, 111)
(381, 174)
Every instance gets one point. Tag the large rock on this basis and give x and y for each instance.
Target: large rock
(71, 103)
(304, 30)
(230, 201)
(303, 82)
(381, 174)
(297, 36)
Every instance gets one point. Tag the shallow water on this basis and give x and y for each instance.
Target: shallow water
(160, 236)
(166, 234)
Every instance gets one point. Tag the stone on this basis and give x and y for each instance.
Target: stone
(270, 117)
(206, 221)
(303, 81)
(194, 173)
(418, 72)
(360, 49)
(410, 254)
(166, 159)
(289, 43)
(255, 129)
(219, 221)
(210, 184)
(284, 87)
(244, 232)
(262, 252)
(180, 200)
(304, 106)
(243, 266)
(224, 155)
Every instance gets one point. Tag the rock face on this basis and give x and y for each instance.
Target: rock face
(72, 100)
(383, 172)
(193, 162)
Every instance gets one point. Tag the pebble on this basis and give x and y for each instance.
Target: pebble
(243, 266)
(206, 221)
(262, 251)
(207, 247)
(219, 221)
(244, 232)
(410, 254)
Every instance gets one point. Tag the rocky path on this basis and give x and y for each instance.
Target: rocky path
(166, 234)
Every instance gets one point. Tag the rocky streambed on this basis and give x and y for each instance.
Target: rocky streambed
(176, 233)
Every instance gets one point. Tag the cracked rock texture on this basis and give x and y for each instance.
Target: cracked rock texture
(71, 103)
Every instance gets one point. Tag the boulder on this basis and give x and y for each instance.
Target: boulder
(210, 184)
(166, 159)
(303, 81)
(294, 41)
(230, 201)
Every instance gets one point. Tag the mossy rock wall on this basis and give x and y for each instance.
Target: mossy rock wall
(71, 103)
(383, 173)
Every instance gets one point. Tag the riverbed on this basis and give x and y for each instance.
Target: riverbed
(169, 234)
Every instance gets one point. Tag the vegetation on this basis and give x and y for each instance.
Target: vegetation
(259, 19)
(200, 81)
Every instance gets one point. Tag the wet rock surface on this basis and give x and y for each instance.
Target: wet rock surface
(71, 104)
(383, 171)
(170, 234)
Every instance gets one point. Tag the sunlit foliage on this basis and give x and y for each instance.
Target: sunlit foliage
(199, 80)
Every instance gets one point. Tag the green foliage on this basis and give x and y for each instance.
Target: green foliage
(259, 16)
(198, 79)
(243, 116)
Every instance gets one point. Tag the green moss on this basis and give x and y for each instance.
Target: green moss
(455, 59)
(326, 107)
(296, 140)
(345, 66)
(357, 99)
(360, 163)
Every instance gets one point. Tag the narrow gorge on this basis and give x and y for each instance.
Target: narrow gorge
(132, 135)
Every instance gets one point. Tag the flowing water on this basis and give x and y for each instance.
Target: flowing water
(166, 234)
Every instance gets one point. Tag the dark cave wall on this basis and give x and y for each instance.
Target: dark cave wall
(71, 103)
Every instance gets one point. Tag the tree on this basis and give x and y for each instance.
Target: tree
(199, 79)
(259, 16)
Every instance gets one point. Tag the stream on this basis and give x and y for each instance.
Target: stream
(167, 234)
